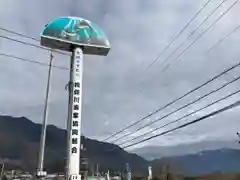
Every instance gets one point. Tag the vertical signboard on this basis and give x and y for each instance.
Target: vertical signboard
(76, 88)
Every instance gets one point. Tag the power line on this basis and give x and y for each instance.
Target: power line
(189, 114)
(31, 61)
(199, 37)
(30, 44)
(189, 36)
(23, 42)
(233, 105)
(175, 100)
(19, 34)
(224, 38)
(182, 107)
(28, 37)
(179, 34)
(192, 33)
(176, 58)
(203, 33)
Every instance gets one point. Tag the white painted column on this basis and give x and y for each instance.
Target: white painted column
(75, 114)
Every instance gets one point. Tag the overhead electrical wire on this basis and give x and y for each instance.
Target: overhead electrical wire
(23, 42)
(142, 119)
(31, 61)
(189, 114)
(192, 33)
(19, 34)
(178, 109)
(178, 35)
(175, 100)
(224, 38)
(233, 105)
(32, 45)
(155, 129)
(228, 107)
(200, 36)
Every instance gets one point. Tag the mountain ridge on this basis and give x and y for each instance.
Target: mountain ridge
(19, 145)
(205, 162)
(19, 142)
(156, 152)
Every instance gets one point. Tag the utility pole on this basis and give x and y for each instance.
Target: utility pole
(2, 169)
(128, 172)
(149, 173)
(97, 170)
(40, 172)
(84, 167)
(92, 169)
(238, 137)
(168, 174)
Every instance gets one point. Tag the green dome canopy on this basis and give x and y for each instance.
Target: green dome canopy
(66, 33)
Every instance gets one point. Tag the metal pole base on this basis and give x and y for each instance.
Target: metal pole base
(75, 177)
(41, 174)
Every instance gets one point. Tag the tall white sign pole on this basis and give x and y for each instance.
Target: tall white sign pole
(74, 34)
(75, 112)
